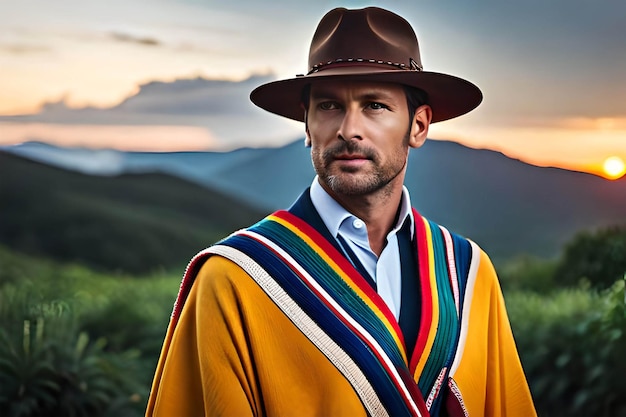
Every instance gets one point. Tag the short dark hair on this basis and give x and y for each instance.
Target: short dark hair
(415, 97)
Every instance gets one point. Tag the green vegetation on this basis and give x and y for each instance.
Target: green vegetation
(569, 320)
(572, 344)
(78, 343)
(597, 258)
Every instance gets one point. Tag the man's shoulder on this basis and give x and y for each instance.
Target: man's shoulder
(216, 270)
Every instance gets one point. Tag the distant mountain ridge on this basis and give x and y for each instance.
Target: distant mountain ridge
(135, 223)
(505, 205)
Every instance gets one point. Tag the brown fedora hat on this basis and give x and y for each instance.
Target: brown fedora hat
(374, 45)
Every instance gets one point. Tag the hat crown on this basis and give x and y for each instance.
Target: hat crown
(369, 45)
(369, 36)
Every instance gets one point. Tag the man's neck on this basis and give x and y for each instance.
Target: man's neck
(378, 210)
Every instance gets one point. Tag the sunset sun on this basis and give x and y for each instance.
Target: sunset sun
(614, 167)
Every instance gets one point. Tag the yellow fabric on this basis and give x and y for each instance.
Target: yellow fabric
(490, 375)
(234, 353)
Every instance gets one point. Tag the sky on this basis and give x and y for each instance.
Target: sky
(168, 75)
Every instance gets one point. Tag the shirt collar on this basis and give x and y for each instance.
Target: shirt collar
(333, 214)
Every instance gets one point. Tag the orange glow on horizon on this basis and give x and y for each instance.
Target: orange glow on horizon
(597, 123)
(125, 138)
(577, 149)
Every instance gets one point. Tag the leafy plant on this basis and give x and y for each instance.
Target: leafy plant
(48, 367)
(51, 363)
(571, 344)
(596, 257)
(527, 273)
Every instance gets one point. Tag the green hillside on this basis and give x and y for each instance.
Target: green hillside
(132, 223)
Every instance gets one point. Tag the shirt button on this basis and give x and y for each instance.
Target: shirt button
(358, 224)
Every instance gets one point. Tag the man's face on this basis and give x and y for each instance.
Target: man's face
(360, 135)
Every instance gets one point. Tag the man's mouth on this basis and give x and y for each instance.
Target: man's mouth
(351, 157)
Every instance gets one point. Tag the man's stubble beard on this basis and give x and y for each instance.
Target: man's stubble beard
(356, 183)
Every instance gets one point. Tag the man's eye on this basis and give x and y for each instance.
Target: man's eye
(327, 105)
(377, 106)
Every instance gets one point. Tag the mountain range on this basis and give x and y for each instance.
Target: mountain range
(129, 223)
(506, 206)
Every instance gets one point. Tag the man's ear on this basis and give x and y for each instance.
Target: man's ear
(419, 126)
(307, 139)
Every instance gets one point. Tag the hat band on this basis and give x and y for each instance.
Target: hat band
(344, 62)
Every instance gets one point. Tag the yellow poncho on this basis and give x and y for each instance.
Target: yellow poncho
(239, 344)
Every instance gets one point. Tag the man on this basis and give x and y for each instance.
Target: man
(350, 303)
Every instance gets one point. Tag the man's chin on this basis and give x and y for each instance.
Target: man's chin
(349, 185)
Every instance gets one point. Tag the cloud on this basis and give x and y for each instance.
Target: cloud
(196, 96)
(220, 108)
(140, 40)
(184, 100)
(24, 48)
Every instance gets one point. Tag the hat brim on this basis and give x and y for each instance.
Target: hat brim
(448, 96)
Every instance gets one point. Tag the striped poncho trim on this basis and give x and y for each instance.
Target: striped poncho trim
(334, 306)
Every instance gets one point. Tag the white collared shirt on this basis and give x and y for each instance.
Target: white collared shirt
(385, 270)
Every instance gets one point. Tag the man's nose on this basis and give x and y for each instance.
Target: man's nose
(351, 125)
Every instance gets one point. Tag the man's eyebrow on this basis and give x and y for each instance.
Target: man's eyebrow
(376, 95)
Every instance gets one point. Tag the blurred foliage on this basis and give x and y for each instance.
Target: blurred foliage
(571, 344)
(527, 273)
(48, 367)
(78, 343)
(597, 257)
